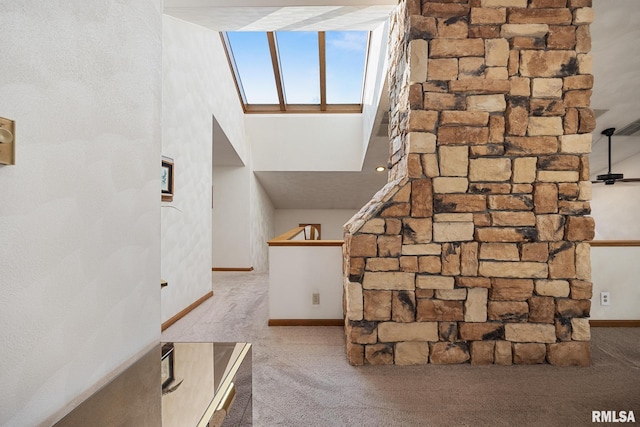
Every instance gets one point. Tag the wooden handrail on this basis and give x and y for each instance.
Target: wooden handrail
(285, 239)
(288, 235)
(305, 242)
(614, 243)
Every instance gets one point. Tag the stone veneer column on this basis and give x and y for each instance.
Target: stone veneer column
(476, 248)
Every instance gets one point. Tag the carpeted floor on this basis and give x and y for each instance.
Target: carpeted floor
(301, 376)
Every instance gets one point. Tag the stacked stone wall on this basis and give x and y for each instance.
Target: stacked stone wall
(477, 249)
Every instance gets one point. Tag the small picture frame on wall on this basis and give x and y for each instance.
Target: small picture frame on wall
(166, 364)
(166, 180)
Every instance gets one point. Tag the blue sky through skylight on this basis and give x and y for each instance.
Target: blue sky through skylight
(346, 53)
(298, 54)
(300, 63)
(253, 60)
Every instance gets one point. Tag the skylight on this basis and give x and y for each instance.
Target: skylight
(296, 71)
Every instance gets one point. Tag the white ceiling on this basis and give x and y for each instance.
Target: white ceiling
(270, 15)
(616, 67)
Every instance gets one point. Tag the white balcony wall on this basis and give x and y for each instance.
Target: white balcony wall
(616, 270)
(296, 272)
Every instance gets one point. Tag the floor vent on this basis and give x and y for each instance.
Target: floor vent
(631, 129)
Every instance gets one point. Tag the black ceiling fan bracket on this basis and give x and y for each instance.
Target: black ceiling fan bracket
(609, 178)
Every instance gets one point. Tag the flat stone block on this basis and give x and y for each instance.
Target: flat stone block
(453, 231)
(530, 332)
(576, 144)
(484, 16)
(421, 142)
(503, 3)
(382, 264)
(373, 226)
(481, 331)
(550, 227)
(451, 294)
(570, 353)
(363, 245)
(450, 185)
(581, 330)
(490, 169)
(377, 305)
(505, 234)
(431, 310)
(499, 252)
(552, 288)
(558, 176)
(524, 30)
(545, 126)
(482, 352)
(453, 217)
(416, 230)
(418, 60)
(434, 282)
(443, 353)
(378, 354)
(529, 353)
(443, 69)
(417, 331)
(476, 305)
(454, 48)
(466, 118)
(354, 301)
(552, 63)
(489, 103)
(513, 218)
(503, 355)
(511, 289)
(524, 169)
(411, 353)
(542, 310)
(508, 311)
(454, 160)
(389, 280)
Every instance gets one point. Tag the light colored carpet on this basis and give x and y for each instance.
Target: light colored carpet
(301, 376)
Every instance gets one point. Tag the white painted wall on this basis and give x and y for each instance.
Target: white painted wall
(331, 220)
(309, 142)
(197, 86)
(616, 270)
(80, 211)
(231, 217)
(296, 272)
(262, 225)
(375, 79)
(615, 207)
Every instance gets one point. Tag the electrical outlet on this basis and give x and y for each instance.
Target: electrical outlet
(315, 298)
(604, 298)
